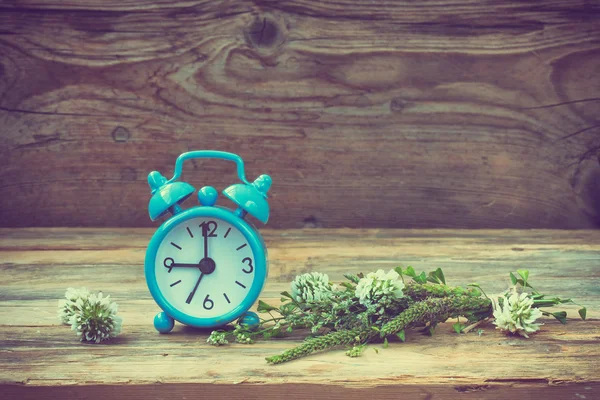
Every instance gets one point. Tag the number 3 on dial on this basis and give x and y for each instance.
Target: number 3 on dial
(248, 261)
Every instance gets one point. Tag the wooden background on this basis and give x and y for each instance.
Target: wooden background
(461, 114)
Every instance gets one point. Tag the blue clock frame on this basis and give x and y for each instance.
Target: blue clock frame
(255, 242)
(166, 198)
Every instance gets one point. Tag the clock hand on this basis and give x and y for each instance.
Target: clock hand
(191, 296)
(205, 234)
(207, 267)
(184, 265)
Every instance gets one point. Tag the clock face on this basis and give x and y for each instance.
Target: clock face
(204, 281)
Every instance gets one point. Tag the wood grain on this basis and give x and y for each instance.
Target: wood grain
(366, 113)
(39, 357)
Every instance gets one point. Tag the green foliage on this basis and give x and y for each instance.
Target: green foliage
(458, 327)
(513, 278)
(356, 351)
(401, 335)
(561, 316)
(367, 309)
(264, 307)
(524, 274)
(410, 272)
(437, 276)
(479, 289)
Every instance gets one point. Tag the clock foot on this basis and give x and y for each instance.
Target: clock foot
(163, 323)
(250, 319)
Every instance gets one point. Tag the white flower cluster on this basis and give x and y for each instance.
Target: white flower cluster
(92, 316)
(311, 287)
(379, 288)
(514, 313)
(217, 338)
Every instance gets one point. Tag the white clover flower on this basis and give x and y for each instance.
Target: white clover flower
(311, 287)
(379, 288)
(95, 318)
(217, 338)
(514, 313)
(66, 308)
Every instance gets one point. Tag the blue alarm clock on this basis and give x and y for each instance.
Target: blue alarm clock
(206, 266)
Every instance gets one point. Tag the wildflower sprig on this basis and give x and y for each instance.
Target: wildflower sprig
(91, 315)
(372, 308)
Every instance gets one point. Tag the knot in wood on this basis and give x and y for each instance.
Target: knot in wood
(263, 33)
(121, 134)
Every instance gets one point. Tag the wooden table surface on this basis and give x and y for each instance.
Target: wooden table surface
(41, 358)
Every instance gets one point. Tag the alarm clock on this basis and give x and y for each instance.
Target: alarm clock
(206, 266)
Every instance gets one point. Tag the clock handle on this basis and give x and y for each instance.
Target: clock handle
(222, 155)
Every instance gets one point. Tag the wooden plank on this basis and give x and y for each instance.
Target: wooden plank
(267, 392)
(39, 356)
(366, 113)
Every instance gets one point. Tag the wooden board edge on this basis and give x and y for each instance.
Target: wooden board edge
(545, 389)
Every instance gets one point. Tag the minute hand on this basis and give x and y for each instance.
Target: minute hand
(191, 296)
(205, 234)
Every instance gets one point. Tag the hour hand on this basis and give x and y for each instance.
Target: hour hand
(184, 265)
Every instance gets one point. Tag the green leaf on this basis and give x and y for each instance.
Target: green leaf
(264, 307)
(399, 271)
(513, 278)
(524, 274)
(437, 276)
(376, 351)
(480, 332)
(421, 278)
(286, 294)
(582, 312)
(410, 271)
(561, 316)
(458, 327)
(385, 343)
(440, 275)
(401, 335)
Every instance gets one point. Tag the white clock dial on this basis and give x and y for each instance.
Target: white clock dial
(204, 289)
